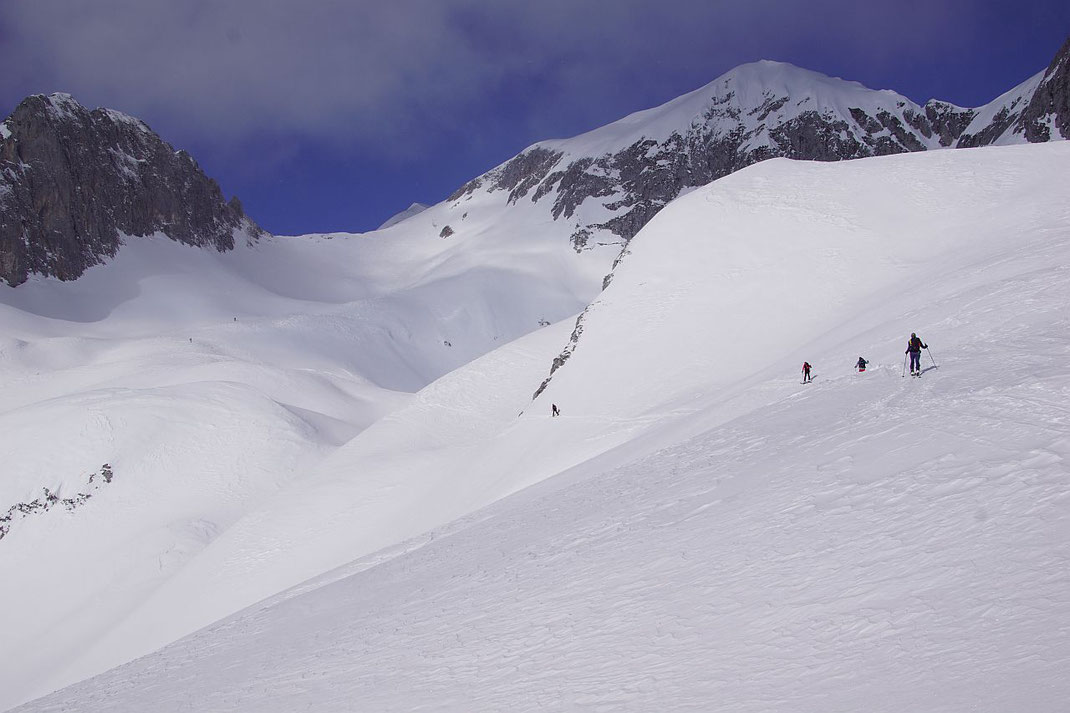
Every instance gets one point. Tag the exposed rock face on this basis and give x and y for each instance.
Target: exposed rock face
(50, 500)
(72, 181)
(611, 182)
(1048, 110)
(560, 359)
(947, 120)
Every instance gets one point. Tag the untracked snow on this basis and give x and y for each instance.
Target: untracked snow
(209, 383)
(698, 530)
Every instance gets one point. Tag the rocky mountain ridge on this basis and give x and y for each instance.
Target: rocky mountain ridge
(610, 182)
(74, 181)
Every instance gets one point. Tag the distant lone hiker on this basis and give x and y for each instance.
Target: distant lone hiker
(806, 372)
(861, 365)
(554, 411)
(914, 347)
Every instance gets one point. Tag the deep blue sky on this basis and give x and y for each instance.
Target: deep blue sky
(333, 115)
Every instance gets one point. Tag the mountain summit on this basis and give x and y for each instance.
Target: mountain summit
(74, 181)
(609, 182)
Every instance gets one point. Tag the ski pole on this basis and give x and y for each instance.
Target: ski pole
(904, 366)
(930, 355)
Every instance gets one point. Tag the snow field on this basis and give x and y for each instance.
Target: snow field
(209, 382)
(866, 543)
(717, 535)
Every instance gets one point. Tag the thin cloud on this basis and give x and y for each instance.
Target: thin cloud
(243, 66)
(408, 73)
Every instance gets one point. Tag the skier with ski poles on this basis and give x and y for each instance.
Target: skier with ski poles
(914, 347)
(806, 372)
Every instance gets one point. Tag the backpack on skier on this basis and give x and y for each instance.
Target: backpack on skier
(914, 347)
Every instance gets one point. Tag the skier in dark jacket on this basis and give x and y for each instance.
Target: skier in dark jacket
(861, 365)
(914, 347)
(806, 372)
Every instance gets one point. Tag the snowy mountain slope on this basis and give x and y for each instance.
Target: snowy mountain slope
(727, 536)
(205, 381)
(606, 184)
(858, 243)
(637, 368)
(1036, 110)
(410, 471)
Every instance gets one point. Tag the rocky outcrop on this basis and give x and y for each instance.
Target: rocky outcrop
(518, 175)
(74, 181)
(50, 499)
(946, 121)
(1048, 110)
(560, 359)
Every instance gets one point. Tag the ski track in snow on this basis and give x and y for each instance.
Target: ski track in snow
(870, 542)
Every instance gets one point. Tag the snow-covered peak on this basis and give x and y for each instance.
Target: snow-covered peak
(753, 81)
(414, 209)
(64, 106)
(752, 94)
(607, 183)
(62, 103)
(121, 118)
(940, 104)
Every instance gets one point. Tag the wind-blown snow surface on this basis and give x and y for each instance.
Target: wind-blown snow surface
(209, 383)
(718, 536)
